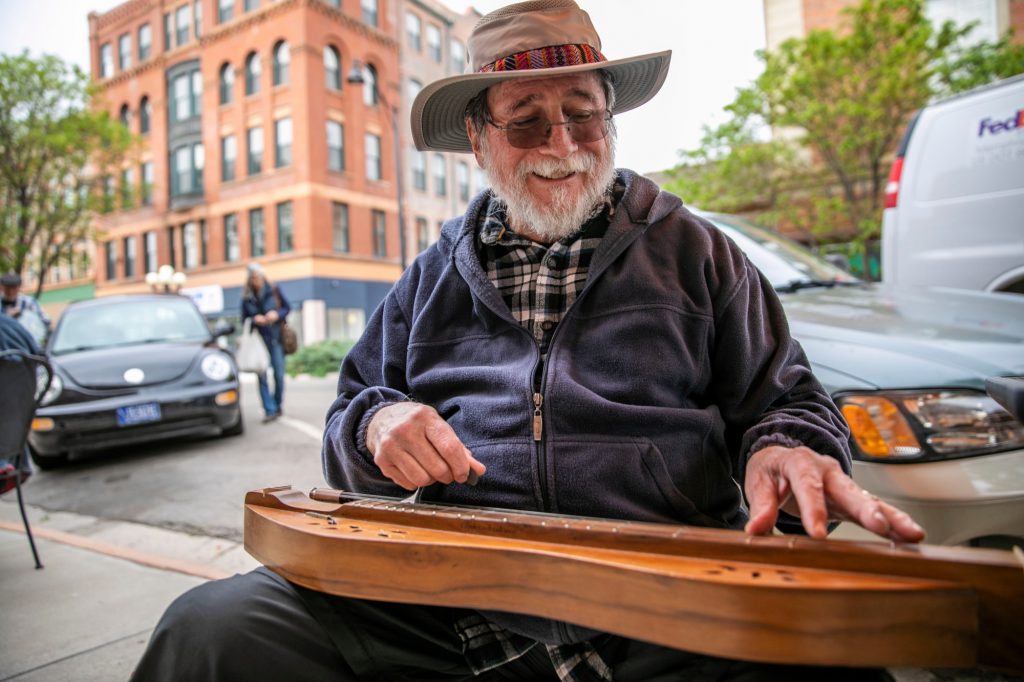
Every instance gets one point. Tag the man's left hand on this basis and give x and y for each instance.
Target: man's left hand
(814, 487)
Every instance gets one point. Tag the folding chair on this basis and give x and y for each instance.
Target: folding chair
(25, 378)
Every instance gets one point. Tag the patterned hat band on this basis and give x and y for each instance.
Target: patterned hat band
(546, 58)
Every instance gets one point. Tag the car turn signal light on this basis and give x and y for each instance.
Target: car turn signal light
(42, 424)
(226, 398)
(879, 428)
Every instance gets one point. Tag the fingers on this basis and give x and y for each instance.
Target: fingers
(762, 489)
(414, 447)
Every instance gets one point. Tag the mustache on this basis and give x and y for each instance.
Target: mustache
(580, 162)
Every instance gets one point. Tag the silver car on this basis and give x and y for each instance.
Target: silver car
(908, 368)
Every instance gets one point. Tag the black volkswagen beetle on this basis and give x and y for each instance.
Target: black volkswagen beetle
(130, 369)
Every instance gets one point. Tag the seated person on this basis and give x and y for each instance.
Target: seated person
(581, 342)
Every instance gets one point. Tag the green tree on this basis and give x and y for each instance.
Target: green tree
(838, 102)
(57, 151)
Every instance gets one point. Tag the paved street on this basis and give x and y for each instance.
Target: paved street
(124, 533)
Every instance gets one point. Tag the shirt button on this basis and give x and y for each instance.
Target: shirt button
(546, 326)
(551, 262)
(538, 333)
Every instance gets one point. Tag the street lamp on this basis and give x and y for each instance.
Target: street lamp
(165, 280)
(356, 77)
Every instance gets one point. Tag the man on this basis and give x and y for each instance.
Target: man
(23, 307)
(266, 306)
(580, 343)
(13, 336)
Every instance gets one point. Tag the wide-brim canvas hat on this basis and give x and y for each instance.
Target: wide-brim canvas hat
(536, 39)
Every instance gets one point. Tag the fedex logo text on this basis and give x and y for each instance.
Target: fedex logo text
(994, 127)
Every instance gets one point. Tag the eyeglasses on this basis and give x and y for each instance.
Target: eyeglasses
(533, 132)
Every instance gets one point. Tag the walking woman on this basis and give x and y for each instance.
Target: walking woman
(267, 307)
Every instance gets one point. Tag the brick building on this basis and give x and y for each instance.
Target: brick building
(257, 146)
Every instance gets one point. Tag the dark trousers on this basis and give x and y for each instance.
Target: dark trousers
(258, 626)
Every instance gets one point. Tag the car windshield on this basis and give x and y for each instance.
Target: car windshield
(786, 264)
(129, 323)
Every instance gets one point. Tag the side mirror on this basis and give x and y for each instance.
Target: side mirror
(839, 260)
(223, 329)
(1008, 392)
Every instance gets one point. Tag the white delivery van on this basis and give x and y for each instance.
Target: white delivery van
(954, 205)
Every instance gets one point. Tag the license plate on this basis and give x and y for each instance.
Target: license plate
(138, 414)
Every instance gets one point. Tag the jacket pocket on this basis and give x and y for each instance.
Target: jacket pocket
(626, 479)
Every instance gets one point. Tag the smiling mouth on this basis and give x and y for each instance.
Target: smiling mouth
(555, 177)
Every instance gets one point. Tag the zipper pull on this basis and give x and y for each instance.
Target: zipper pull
(538, 420)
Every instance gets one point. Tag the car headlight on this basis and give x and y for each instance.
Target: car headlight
(936, 424)
(53, 392)
(216, 367)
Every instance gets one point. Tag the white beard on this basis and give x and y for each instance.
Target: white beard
(567, 211)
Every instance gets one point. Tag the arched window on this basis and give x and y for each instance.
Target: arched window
(282, 57)
(369, 85)
(252, 74)
(227, 83)
(145, 115)
(126, 116)
(332, 68)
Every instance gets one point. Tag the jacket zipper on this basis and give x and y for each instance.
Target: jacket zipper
(538, 418)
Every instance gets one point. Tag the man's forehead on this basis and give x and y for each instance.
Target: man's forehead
(512, 94)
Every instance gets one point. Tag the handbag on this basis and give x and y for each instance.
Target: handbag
(289, 339)
(251, 353)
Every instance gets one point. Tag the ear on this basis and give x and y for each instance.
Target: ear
(474, 141)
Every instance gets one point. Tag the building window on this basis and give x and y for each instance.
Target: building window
(282, 142)
(252, 74)
(372, 145)
(186, 96)
(106, 61)
(434, 42)
(255, 150)
(282, 57)
(257, 243)
(422, 233)
(380, 235)
(227, 83)
(127, 188)
(232, 249)
(124, 52)
(419, 170)
(462, 178)
(335, 146)
(339, 227)
(145, 42)
(145, 116)
(228, 157)
(190, 246)
(146, 177)
(251, 5)
(440, 175)
(285, 227)
(203, 242)
(111, 249)
(414, 88)
(187, 170)
(172, 249)
(149, 251)
(181, 22)
(413, 31)
(168, 31)
(332, 68)
(197, 16)
(108, 194)
(129, 257)
(457, 53)
(225, 10)
(369, 85)
(125, 116)
(369, 11)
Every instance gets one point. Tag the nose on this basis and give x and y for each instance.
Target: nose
(560, 143)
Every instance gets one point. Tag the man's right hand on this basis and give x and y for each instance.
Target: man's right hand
(414, 447)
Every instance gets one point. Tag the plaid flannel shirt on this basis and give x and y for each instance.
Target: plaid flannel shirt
(539, 284)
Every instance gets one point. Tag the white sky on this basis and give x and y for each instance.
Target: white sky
(712, 43)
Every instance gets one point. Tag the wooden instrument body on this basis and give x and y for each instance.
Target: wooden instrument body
(773, 599)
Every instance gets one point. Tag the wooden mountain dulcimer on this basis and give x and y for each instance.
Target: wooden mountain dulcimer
(783, 599)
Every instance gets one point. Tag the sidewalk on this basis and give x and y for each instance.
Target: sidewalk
(86, 616)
